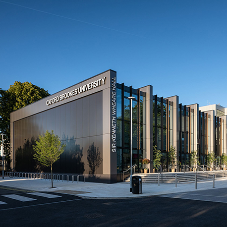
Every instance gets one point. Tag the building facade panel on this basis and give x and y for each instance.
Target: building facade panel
(93, 119)
(81, 123)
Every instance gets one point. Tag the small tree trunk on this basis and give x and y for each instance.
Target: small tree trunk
(52, 183)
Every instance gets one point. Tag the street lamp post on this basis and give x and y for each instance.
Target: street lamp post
(131, 98)
(3, 157)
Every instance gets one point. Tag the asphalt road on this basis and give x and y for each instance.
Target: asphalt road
(55, 209)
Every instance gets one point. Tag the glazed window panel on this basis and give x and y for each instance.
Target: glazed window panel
(164, 139)
(134, 135)
(142, 137)
(209, 133)
(119, 103)
(126, 134)
(222, 136)
(119, 133)
(142, 106)
(126, 109)
(154, 108)
(119, 160)
(126, 93)
(135, 96)
(182, 119)
(159, 139)
(154, 136)
(182, 141)
(164, 115)
(186, 139)
(134, 111)
(192, 130)
(170, 124)
(126, 159)
(187, 118)
(158, 114)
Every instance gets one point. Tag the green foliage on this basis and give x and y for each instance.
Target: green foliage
(193, 159)
(172, 156)
(17, 96)
(157, 157)
(25, 93)
(224, 159)
(5, 108)
(211, 159)
(48, 148)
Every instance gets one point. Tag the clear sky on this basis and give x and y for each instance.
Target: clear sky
(178, 46)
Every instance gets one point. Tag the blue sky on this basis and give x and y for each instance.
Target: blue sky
(178, 46)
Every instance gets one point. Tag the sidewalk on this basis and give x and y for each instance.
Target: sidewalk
(101, 190)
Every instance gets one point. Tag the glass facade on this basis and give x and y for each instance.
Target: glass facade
(123, 127)
(163, 127)
(81, 123)
(184, 135)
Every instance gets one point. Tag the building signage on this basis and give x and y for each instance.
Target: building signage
(113, 116)
(76, 91)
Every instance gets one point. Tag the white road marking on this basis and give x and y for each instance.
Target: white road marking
(42, 204)
(19, 197)
(49, 196)
(2, 202)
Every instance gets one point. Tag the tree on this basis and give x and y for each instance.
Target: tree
(172, 156)
(224, 160)
(211, 159)
(193, 159)
(157, 157)
(26, 93)
(17, 96)
(6, 106)
(48, 150)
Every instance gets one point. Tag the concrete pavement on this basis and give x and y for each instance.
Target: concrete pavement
(101, 190)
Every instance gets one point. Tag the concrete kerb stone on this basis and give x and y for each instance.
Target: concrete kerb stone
(90, 190)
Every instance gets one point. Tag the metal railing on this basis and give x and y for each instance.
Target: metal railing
(182, 178)
(46, 176)
(127, 170)
(187, 166)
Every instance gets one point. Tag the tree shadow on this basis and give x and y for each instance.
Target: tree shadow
(71, 159)
(69, 162)
(24, 157)
(94, 158)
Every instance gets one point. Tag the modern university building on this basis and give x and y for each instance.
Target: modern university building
(93, 119)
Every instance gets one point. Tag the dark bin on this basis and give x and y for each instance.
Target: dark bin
(136, 185)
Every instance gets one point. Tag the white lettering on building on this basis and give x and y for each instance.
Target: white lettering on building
(113, 116)
(76, 91)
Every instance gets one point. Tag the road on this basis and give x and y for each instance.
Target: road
(29, 208)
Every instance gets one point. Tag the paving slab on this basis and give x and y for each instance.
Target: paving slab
(101, 190)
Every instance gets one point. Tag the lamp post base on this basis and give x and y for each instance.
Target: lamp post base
(3, 166)
(130, 183)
